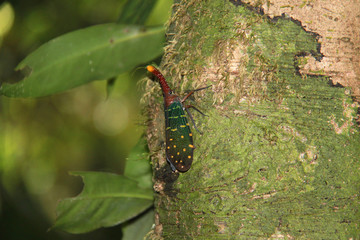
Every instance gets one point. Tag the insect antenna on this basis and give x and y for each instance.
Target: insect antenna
(192, 92)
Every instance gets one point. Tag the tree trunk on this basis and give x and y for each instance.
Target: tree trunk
(279, 154)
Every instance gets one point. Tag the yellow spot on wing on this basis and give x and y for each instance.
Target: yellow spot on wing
(175, 129)
(190, 145)
(189, 157)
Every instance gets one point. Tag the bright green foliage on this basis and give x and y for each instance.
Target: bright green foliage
(138, 165)
(94, 53)
(106, 200)
(136, 11)
(139, 227)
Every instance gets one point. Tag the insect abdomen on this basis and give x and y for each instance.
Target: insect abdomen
(179, 142)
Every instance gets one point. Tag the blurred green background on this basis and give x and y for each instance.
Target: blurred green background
(84, 129)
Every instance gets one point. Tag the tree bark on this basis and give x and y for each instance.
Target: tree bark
(279, 154)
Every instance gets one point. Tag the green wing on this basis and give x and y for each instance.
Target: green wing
(179, 141)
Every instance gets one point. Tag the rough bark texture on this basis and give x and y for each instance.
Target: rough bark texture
(337, 22)
(279, 157)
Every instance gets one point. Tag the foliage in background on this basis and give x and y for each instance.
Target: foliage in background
(42, 139)
(94, 53)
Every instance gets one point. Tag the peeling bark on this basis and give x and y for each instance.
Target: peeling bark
(337, 23)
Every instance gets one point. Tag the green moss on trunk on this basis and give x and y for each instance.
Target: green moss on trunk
(279, 156)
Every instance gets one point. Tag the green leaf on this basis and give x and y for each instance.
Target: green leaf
(106, 200)
(136, 11)
(138, 164)
(95, 53)
(139, 227)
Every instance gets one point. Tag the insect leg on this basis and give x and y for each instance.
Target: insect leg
(191, 117)
(171, 165)
(191, 106)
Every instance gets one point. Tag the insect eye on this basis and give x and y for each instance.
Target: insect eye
(170, 92)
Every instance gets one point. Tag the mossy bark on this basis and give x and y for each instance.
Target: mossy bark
(279, 153)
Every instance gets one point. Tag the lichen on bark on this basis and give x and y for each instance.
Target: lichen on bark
(279, 153)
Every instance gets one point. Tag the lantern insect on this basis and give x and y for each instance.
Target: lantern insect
(179, 138)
